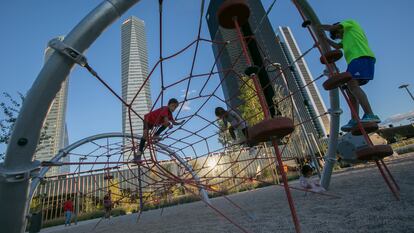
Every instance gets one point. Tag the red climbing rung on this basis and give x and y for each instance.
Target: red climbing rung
(271, 128)
(375, 152)
(231, 10)
(369, 127)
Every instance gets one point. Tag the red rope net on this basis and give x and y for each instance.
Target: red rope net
(199, 155)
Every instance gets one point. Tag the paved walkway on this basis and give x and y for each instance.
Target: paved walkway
(366, 205)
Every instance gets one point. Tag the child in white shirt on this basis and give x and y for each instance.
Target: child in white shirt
(236, 123)
(307, 182)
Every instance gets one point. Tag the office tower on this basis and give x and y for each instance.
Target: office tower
(134, 65)
(315, 104)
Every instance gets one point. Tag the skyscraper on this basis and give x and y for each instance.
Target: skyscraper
(262, 49)
(134, 65)
(56, 135)
(316, 106)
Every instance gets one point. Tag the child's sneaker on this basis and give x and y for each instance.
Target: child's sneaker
(370, 118)
(348, 127)
(156, 138)
(137, 157)
(252, 151)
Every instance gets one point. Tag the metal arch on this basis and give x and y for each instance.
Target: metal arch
(62, 153)
(335, 110)
(18, 166)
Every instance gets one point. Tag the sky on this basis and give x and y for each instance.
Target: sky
(27, 26)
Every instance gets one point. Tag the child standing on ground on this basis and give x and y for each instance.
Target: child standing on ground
(307, 182)
(161, 118)
(361, 63)
(68, 209)
(107, 203)
(236, 123)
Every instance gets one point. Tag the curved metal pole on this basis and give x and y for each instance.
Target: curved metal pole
(18, 165)
(62, 153)
(335, 110)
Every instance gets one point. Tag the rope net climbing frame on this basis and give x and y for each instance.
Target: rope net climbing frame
(199, 155)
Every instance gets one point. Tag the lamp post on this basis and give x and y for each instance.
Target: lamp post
(78, 190)
(405, 86)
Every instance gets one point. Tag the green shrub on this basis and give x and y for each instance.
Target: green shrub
(118, 212)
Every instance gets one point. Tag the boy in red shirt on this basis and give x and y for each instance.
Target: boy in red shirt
(68, 209)
(160, 117)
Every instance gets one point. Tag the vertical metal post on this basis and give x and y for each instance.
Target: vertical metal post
(77, 194)
(319, 37)
(53, 199)
(405, 86)
(49, 194)
(43, 196)
(141, 201)
(58, 198)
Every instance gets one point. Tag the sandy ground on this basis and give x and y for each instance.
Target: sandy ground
(365, 205)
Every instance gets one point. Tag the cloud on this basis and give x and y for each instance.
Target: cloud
(186, 106)
(189, 93)
(398, 117)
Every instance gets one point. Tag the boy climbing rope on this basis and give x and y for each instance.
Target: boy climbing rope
(361, 63)
(236, 123)
(161, 117)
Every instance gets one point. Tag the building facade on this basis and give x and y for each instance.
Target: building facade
(134, 65)
(265, 49)
(54, 128)
(315, 104)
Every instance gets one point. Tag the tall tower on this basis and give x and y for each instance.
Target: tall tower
(56, 135)
(316, 106)
(134, 64)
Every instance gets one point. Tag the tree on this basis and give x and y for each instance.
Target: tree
(11, 108)
(251, 110)
(285, 107)
(224, 137)
(115, 190)
(282, 103)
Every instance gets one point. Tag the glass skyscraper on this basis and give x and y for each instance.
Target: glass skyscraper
(316, 106)
(134, 65)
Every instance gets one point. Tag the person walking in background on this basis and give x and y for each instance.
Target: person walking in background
(68, 209)
(107, 205)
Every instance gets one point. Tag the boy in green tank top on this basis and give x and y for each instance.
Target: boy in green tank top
(361, 64)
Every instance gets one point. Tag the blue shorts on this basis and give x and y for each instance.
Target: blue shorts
(362, 69)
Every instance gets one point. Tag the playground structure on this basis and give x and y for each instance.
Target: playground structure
(19, 170)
